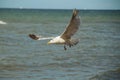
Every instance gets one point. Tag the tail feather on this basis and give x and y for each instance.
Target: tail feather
(74, 41)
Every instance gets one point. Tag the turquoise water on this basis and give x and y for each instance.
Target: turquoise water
(96, 57)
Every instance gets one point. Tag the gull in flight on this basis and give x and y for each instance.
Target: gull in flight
(65, 37)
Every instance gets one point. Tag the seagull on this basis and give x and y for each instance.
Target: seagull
(65, 37)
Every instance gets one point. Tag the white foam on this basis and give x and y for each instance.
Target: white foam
(2, 22)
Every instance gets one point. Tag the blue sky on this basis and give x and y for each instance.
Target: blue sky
(61, 4)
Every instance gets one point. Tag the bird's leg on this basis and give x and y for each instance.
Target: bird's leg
(65, 47)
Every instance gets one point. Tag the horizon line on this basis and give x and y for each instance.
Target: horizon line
(57, 9)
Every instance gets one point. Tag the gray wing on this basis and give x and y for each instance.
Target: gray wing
(72, 27)
(35, 37)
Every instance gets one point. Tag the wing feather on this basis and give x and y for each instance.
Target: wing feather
(72, 27)
(36, 37)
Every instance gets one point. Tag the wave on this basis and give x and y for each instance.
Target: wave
(2, 22)
(108, 75)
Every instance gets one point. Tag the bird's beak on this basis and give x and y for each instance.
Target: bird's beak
(49, 42)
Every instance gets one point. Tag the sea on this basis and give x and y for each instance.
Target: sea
(95, 57)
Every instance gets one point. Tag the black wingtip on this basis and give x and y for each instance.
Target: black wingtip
(33, 36)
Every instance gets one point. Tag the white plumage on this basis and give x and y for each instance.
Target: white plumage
(57, 40)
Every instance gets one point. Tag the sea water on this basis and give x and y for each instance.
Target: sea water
(95, 57)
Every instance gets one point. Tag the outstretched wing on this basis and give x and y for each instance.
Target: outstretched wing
(35, 37)
(72, 27)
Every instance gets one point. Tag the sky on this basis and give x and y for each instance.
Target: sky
(61, 4)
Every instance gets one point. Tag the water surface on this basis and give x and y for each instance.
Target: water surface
(94, 58)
